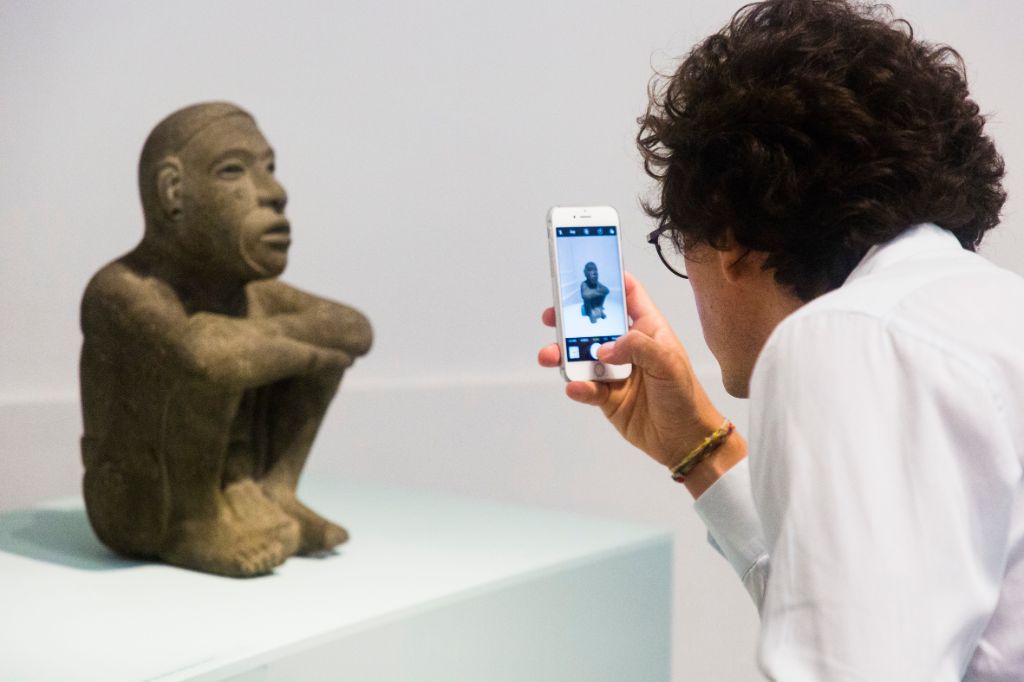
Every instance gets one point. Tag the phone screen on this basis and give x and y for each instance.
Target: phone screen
(591, 296)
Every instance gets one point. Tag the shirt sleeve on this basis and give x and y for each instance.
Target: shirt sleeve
(883, 501)
(734, 530)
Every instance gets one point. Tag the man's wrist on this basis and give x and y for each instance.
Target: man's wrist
(707, 447)
(732, 451)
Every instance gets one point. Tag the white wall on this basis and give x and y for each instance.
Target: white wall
(421, 144)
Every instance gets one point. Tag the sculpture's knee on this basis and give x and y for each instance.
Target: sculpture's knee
(358, 334)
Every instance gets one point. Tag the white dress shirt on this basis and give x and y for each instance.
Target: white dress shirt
(878, 521)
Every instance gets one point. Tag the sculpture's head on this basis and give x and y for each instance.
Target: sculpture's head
(590, 272)
(208, 189)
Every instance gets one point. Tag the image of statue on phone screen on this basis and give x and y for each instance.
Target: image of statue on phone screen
(590, 282)
(593, 293)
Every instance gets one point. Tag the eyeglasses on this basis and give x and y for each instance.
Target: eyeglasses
(670, 250)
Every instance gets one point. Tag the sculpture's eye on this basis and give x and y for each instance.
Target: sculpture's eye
(231, 171)
(271, 167)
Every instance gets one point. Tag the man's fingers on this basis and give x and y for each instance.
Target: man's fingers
(638, 303)
(641, 350)
(548, 317)
(587, 392)
(550, 356)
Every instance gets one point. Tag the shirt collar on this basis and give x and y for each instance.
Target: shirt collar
(926, 239)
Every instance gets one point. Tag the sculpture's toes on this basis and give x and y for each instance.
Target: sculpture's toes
(333, 535)
(249, 565)
(260, 514)
(229, 547)
(318, 534)
(262, 557)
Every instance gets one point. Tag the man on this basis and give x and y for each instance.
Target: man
(593, 293)
(204, 377)
(824, 181)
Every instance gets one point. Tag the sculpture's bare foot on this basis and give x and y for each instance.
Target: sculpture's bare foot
(249, 502)
(227, 544)
(318, 534)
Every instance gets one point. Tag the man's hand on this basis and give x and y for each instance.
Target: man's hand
(661, 408)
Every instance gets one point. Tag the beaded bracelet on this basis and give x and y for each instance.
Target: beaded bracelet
(701, 452)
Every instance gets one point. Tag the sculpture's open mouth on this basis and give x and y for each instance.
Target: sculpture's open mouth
(278, 236)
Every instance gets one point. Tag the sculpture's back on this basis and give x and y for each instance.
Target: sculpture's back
(124, 493)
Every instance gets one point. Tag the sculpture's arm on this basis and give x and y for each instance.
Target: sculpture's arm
(590, 294)
(238, 352)
(311, 319)
(144, 314)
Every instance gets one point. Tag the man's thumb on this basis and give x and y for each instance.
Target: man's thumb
(638, 349)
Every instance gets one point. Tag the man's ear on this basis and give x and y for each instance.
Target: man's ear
(168, 187)
(738, 262)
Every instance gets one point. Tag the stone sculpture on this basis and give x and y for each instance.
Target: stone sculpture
(204, 378)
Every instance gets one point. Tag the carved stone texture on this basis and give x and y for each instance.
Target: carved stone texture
(204, 378)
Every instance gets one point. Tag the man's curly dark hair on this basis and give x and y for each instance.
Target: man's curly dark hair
(813, 130)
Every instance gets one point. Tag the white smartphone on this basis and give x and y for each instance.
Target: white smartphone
(588, 287)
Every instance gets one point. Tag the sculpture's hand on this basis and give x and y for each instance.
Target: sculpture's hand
(329, 360)
(661, 408)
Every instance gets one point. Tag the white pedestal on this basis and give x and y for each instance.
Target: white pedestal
(430, 587)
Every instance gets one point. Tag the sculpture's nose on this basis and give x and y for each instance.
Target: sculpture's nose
(272, 194)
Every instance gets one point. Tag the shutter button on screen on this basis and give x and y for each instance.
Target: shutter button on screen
(593, 350)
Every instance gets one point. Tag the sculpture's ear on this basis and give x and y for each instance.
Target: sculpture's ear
(168, 187)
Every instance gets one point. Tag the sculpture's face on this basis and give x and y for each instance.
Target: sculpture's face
(232, 205)
(591, 275)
